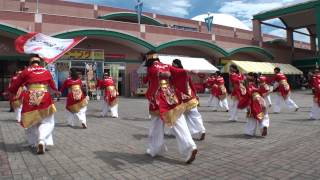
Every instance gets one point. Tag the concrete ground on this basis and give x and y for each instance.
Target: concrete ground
(115, 148)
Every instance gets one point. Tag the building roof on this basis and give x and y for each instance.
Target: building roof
(224, 20)
(295, 16)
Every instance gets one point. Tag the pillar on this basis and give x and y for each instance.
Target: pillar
(290, 41)
(313, 42)
(257, 36)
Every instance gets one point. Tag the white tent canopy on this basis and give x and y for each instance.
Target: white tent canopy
(197, 65)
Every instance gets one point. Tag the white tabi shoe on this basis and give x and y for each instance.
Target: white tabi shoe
(191, 156)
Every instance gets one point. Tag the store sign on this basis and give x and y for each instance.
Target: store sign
(86, 54)
(115, 56)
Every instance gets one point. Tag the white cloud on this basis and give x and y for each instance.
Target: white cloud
(278, 32)
(178, 8)
(245, 9)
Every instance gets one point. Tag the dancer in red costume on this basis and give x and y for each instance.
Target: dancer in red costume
(183, 83)
(264, 89)
(110, 102)
(76, 100)
(209, 83)
(37, 104)
(166, 108)
(219, 93)
(238, 91)
(315, 83)
(257, 113)
(282, 89)
(15, 100)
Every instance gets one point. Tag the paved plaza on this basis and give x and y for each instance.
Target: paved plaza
(115, 148)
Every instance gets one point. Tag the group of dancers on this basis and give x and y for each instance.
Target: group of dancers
(172, 98)
(30, 96)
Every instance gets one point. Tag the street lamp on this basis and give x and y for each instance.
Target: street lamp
(138, 8)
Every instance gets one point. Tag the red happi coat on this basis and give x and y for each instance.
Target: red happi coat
(111, 93)
(163, 97)
(264, 88)
(316, 86)
(37, 103)
(254, 102)
(76, 98)
(257, 107)
(218, 89)
(183, 83)
(237, 84)
(209, 82)
(284, 87)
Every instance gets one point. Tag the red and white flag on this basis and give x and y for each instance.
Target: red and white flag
(48, 48)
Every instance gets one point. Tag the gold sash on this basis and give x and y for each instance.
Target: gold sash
(285, 84)
(37, 92)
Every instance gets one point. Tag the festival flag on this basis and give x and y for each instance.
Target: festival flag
(48, 48)
(209, 21)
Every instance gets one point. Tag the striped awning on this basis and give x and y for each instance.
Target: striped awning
(263, 67)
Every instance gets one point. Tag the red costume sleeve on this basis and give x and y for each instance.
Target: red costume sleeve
(64, 86)
(14, 86)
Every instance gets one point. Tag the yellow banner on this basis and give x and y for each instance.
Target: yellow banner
(84, 54)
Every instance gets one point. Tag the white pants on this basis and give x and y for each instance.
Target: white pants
(195, 122)
(220, 104)
(234, 110)
(17, 113)
(315, 111)
(268, 100)
(156, 137)
(41, 132)
(251, 125)
(81, 116)
(210, 100)
(278, 101)
(106, 108)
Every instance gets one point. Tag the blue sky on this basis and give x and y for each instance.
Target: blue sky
(241, 9)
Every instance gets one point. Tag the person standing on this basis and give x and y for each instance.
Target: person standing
(166, 108)
(110, 102)
(257, 113)
(219, 92)
(76, 100)
(15, 99)
(38, 108)
(282, 89)
(209, 83)
(315, 84)
(238, 91)
(264, 89)
(182, 81)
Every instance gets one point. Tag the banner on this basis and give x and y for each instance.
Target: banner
(48, 48)
(54, 73)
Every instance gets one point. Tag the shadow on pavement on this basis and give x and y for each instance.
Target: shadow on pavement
(144, 136)
(19, 147)
(119, 160)
(224, 122)
(237, 136)
(134, 119)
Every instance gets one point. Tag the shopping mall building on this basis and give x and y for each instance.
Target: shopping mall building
(115, 40)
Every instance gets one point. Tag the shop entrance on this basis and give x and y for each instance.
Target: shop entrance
(118, 72)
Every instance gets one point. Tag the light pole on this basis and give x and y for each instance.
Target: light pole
(37, 7)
